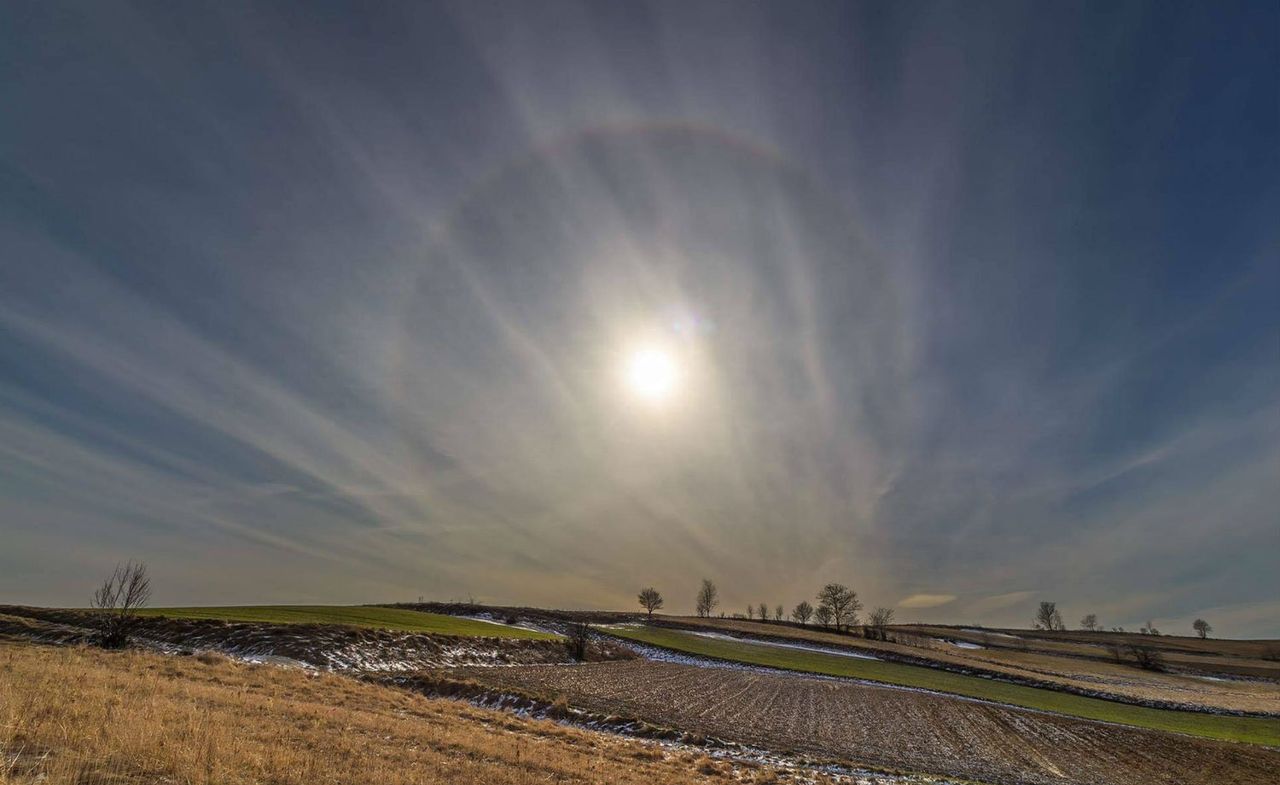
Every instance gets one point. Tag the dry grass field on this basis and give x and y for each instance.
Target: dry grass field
(79, 716)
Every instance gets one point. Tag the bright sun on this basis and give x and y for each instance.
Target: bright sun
(652, 373)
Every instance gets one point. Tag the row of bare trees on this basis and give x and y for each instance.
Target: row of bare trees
(1048, 617)
(838, 608)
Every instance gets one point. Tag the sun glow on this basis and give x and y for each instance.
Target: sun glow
(652, 373)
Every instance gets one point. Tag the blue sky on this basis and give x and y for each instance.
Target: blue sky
(973, 304)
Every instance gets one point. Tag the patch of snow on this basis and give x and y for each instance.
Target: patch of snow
(965, 645)
(488, 618)
(802, 647)
(274, 659)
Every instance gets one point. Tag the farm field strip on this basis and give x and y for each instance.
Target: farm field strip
(1089, 677)
(780, 644)
(889, 728)
(357, 616)
(1248, 729)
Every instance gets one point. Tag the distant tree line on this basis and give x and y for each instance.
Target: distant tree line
(838, 609)
(1049, 618)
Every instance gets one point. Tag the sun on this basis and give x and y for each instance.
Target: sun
(652, 373)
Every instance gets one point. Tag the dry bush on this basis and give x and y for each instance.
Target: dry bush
(116, 603)
(209, 657)
(1146, 657)
(83, 716)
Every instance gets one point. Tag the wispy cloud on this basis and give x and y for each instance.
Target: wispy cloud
(926, 600)
(347, 313)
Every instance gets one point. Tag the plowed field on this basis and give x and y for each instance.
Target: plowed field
(891, 728)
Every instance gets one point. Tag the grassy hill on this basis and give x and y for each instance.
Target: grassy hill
(352, 615)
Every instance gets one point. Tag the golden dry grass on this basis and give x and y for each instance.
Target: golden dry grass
(79, 716)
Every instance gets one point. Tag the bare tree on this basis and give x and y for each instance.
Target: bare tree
(1150, 629)
(823, 615)
(779, 613)
(1116, 649)
(842, 602)
(708, 598)
(1146, 657)
(1202, 628)
(117, 602)
(1090, 622)
(763, 612)
(576, 640)
(880, 620)
(802, 612)
(1048, 617)
(751, 611)
(650, 599)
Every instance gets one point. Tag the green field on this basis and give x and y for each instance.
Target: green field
(352, 615)
(1247, 729)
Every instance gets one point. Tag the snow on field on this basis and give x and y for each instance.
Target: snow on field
(965, 645)
(489, 618)
(656, 654)
(779, 644)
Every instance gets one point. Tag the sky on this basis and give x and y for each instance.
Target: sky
(965, 305)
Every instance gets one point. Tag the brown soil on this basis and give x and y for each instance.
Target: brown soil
(1003, 656)
(891, 728)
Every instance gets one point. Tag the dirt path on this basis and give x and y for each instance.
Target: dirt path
(891, 728)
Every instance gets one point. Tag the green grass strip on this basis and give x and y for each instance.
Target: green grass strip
(355, 616)
(1254, 730)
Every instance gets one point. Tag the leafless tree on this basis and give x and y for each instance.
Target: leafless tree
(650, 599)
(117, 602)
(779, 613)
(1048, 617)
(842, 602)
(802, 612)
(708, 598)
(1116, 649)
(1146, 657)
(880, 620)
(1090, 622)
(1202, 628)
(1150, 629)
(751, 611)
(762, 612)
(823, 615)
(576, 640)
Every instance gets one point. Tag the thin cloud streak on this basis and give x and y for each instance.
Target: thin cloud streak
(355, 303)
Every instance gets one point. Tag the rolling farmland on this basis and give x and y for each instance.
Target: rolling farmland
(891, 727)
(373, 617)
(1251, 729)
